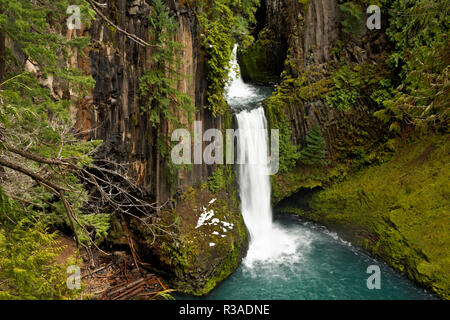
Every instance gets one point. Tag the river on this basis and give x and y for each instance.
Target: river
(289, 258)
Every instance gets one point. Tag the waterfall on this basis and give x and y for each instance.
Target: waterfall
(268, 241)
(253, 172)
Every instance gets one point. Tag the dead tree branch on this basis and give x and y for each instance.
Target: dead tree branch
(132, 37)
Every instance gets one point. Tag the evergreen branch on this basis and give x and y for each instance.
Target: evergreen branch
(32, 175)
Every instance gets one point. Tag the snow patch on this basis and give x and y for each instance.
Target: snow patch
(205, 216)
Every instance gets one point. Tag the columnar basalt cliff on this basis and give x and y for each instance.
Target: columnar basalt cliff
(114, 114)
(309, 34)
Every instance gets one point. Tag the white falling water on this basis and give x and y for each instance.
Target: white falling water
(253, 173)
(238, 92)
(268, 241)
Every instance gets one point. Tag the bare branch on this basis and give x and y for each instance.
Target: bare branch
(132, 37)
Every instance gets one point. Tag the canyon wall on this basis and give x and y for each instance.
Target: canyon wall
(309, 33)
(113, 113)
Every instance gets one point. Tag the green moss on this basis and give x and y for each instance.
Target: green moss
(195, 266)
(256, 63)
(286, 184)
(398, 210)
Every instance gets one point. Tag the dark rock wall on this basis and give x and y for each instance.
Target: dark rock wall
(113, 112)
(311, 31)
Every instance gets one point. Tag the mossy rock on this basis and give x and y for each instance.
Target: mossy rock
(261, 63)
(398, 210)
(197, 257)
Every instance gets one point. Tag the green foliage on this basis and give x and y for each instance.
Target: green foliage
(345, 93)
(315, 150)
(158, 85)
(217, 39)
(28, 267)
(217, 181)
(222, 179)
(288, 152)
(358, 85)
(419, 32)
(101, 223)
(352, 18)
(28, 25)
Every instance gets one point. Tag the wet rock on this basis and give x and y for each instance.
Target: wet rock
(190, 263)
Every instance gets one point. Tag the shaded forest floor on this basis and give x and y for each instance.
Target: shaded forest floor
(113, 277)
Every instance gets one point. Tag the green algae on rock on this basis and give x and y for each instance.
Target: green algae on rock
(398, 210)
(259, 64)
(208, 241)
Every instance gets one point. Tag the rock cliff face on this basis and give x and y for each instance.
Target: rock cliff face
(309, 33)
(311, 28)
(113, 112)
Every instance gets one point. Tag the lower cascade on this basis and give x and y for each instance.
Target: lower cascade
(268, 241)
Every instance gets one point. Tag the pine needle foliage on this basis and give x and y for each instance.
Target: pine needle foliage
(28, 251)
(315, 150)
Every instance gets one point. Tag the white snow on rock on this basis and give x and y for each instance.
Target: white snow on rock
(228, 225)
(205, 216)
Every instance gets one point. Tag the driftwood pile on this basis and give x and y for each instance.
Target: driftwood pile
(124, 281)
(142, 288)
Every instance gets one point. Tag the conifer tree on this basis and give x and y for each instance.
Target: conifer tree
(315, 151)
